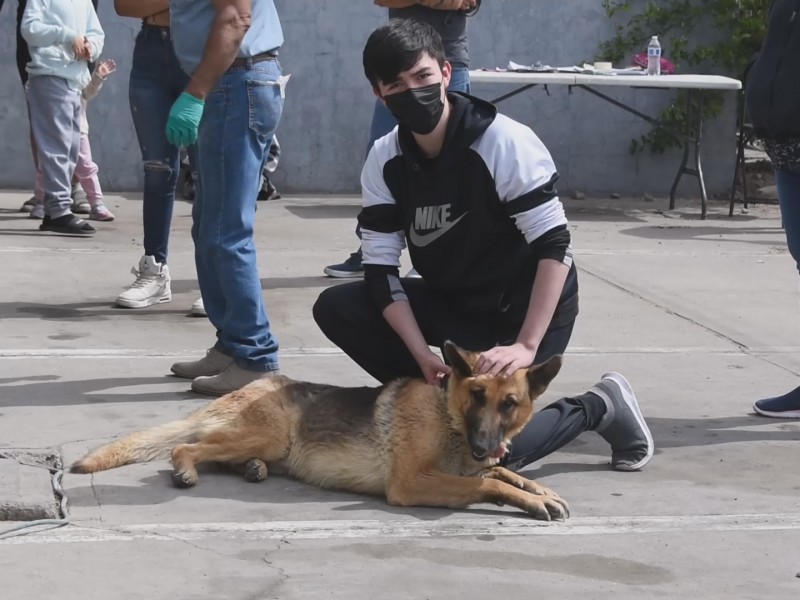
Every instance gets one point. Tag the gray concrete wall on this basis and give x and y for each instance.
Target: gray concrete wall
(324, 129)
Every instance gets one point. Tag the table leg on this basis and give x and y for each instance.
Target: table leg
(514, 93)
(692, 140)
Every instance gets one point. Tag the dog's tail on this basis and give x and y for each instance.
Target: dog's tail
(142, 446)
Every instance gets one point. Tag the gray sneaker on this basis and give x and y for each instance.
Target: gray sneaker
(623, 425)
(213, 363)
(231, 379)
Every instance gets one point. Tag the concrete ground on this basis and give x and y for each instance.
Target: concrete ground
(700, 315)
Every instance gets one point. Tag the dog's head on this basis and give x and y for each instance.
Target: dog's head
(490, 411)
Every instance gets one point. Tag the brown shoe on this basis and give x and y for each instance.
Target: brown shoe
(213, 363)
(231, 379)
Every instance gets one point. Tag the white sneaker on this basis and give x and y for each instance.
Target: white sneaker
(37, 211)
(151, 285)
(198, 309)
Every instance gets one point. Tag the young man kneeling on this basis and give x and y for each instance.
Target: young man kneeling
(473, 194)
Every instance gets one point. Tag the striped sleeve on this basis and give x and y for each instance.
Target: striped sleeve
(382, 234)
(525, 177)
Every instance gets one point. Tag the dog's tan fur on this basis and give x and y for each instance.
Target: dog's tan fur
(411, 442)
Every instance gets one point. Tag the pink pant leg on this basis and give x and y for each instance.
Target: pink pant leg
(86, 172)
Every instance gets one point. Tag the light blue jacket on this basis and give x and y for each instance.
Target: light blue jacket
(49, 27)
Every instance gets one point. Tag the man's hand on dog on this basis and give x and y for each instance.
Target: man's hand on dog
(433, 368)
(504, 361)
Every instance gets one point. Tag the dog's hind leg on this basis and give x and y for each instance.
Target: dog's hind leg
(251, 446)
(523, 483)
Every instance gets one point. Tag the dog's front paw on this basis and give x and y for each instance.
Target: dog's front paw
(539, 490)
(255, 470)
(184, 479)
(546, 508)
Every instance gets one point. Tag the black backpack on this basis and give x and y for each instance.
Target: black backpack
(772, 84)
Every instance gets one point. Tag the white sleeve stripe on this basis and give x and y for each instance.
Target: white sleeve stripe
(396, 289)
(373, 186)
(568, 257)
(517, 159)
(537, 221)
(382, 248)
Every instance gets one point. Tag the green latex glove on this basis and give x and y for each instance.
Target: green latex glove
(184, 119)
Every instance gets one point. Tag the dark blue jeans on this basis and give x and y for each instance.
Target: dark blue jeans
(156, 81)
(788, 182)
(239, 120)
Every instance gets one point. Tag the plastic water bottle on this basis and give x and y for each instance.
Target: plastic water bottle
(654, 57)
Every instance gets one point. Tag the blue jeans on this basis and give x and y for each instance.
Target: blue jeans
(156, 81)
(383, 120)
(788, 183)
(239, 120)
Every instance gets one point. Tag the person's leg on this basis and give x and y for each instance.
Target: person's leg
(609, 408)
(54, 108)
(786, 406)
(151, 96)
(86, 173)
(459, 80)
(239, 119)
(349, 318)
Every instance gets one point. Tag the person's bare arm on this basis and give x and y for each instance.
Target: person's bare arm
(140, 9)
(224, 40)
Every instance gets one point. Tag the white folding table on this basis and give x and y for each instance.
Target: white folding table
(692, 135)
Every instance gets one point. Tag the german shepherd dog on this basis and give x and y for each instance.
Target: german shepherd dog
(413, 443)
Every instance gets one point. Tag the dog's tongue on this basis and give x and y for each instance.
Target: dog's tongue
(500, 451)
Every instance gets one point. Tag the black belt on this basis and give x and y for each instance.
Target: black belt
(244, 61)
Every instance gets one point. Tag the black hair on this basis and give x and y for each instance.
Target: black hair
(397, 46)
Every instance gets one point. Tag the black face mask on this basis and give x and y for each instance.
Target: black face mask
(419, 109)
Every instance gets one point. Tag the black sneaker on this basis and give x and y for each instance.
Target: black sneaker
(623, 425)
(269, 192)
(782, 407)
(350, 268)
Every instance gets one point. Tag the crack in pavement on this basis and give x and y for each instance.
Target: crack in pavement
(744, 348)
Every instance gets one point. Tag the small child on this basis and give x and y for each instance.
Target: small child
(63, 35)
(86, 168)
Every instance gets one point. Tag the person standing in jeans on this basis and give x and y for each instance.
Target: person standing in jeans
(231, 106)
(449, 19)
(156, 81)
(773, 101)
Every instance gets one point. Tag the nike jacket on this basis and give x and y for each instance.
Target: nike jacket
(477, 219)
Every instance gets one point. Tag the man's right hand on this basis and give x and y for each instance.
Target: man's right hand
(433, 369)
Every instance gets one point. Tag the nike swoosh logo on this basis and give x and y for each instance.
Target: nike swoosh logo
(420, 240)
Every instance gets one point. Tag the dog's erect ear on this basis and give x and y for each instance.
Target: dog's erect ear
(540, 376)
(455, 358)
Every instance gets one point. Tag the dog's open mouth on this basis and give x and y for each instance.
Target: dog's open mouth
(498, 452)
